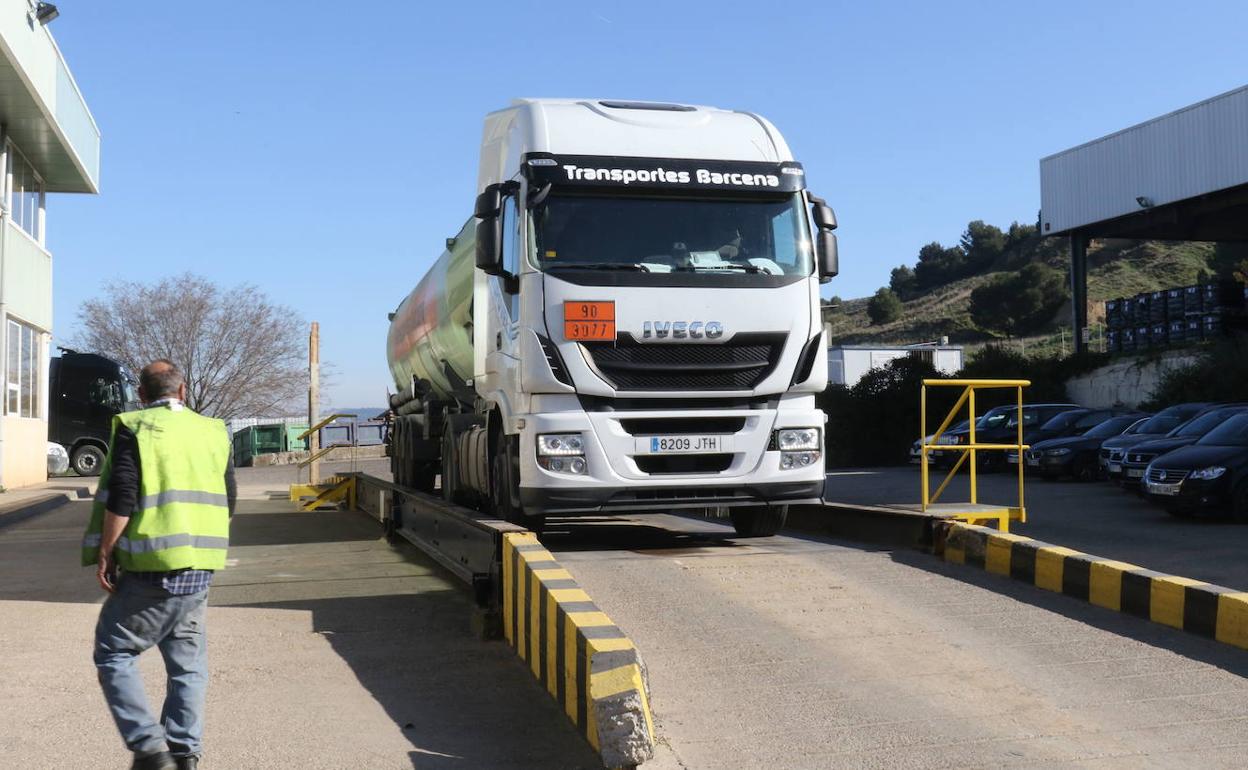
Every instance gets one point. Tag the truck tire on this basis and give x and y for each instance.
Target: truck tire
(505, 487)
(87, 460)
(450, 474)
(423, 476)
(758, 520)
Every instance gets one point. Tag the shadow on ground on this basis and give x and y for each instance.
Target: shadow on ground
(462, 702)
(1189, 645)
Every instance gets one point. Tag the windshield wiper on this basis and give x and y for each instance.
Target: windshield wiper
(733, 266)
(635, 266)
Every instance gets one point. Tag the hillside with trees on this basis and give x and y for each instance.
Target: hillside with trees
(997, 284)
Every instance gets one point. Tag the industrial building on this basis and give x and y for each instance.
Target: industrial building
(49, 143)
(1181, 176)
(848, 364)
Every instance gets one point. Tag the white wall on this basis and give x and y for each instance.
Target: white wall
(1125, 382)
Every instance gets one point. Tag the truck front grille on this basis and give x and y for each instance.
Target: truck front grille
(667, 426)
(738, 364)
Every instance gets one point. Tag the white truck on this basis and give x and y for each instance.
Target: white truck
(629, 322)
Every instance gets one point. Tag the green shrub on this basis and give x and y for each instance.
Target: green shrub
(885, 307)
(1219, 374)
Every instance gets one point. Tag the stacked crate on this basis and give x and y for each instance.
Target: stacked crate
(1176, 316)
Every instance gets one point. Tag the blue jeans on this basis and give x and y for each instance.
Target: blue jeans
(136, 617)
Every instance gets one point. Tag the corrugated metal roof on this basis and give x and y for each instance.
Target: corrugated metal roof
(1193, 151)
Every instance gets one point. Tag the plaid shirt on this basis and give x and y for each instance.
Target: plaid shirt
(179, 582)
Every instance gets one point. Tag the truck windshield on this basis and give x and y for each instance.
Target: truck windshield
(665, 235)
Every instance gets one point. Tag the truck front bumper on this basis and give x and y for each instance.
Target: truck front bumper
(616, 477)
(565, 501)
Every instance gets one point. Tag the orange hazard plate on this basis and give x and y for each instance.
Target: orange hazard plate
(589, 320)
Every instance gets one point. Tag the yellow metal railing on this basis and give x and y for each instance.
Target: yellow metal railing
(974, 512)
(322, 424)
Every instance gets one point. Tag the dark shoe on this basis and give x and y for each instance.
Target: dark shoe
(161, 760)
(190, 762)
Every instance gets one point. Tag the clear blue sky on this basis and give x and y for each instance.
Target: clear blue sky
(323, 151)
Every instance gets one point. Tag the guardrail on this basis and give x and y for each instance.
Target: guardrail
(973, 511)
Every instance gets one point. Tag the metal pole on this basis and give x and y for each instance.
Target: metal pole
(1079, 288)
(314, 397)
(923, 442)
(974, 460)
(1022, 506)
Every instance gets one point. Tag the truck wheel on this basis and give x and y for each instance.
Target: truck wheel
(450, 474)
(88, 460)
(758, 520)
(505, 487)
(423, 476)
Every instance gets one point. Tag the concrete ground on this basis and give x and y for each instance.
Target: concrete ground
(803, 652)
(329, 649)
(1097, 518)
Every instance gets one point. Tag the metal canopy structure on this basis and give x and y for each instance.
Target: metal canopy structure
(1181, 176)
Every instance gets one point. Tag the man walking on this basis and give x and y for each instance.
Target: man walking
(161, 515)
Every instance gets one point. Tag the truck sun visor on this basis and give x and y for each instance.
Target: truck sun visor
(663, 173)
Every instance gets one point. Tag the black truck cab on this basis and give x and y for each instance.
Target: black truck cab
(85, 390)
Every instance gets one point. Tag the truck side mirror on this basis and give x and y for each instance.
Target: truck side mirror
(825, 239)
(489, 230)
(829, 259)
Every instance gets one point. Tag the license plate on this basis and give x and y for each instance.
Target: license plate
(675, 445)
(1115, 468)
(1033, 462)
(1135, 473)
(1169, 490)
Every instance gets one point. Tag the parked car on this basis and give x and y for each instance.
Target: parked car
(999, 425)
(1114, 450)
(1208, 476)
(1139, 456)
(1075, 422)
(915, 447)
(1077, 455)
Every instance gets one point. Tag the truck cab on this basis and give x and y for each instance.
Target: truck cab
(85, 390)
(644, 316)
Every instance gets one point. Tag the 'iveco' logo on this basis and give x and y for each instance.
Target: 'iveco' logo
(679, 330)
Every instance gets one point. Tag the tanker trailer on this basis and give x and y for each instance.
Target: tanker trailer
(628, 323)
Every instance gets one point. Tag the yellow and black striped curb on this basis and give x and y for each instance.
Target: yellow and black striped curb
(1191, 605)
(583, 660)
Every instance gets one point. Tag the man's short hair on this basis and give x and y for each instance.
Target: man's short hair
(160, 379)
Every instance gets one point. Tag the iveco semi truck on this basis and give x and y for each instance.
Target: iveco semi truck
(628, 322)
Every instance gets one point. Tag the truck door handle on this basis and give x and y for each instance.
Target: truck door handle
(498, 341)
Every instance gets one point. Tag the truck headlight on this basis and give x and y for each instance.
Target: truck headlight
(560, 444)
(562, 453)
(1209, 474)
(791, 439)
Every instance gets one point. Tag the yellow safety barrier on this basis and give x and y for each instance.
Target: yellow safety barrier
(973, 512)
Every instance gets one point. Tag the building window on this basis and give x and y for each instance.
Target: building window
(22, 371)
(25, 194)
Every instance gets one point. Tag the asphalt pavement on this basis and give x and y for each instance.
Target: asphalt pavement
(805, 652)
(1094, 517)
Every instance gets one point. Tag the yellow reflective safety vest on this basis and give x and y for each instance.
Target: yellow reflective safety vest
(182, 517)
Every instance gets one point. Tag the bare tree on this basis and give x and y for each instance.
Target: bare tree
(242, 354)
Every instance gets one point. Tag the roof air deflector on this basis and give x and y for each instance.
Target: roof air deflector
(658, 106)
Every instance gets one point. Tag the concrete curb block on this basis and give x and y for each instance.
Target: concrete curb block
(866, 523)
(33, 507)
(586, 663)
(1190, 605)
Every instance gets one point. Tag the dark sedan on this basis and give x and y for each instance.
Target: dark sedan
(1000, 426)
(1074, 422)
(1208, 476)
(1114, 450)
(1077, 455)
(1141, 455)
